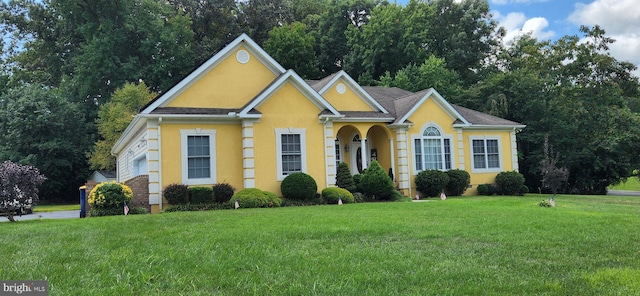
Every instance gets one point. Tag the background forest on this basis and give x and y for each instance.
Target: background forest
(74, 71)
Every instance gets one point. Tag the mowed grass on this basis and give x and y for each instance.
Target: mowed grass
(587, 245)
(53, 208)
(631, 184)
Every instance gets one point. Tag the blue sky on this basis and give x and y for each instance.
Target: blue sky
(553, 19)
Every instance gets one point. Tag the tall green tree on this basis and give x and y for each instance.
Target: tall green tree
(578, 94)
(113, 119)
(292, 47)
(214, 24)
(339, 16)
(433, 73)
(260, 16)
(464, 34)
(43, 128)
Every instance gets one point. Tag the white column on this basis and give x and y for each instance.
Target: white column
(153, 163)
(404, 180)
(248, 155)
(393, 158)
(363, 154)
(460, 141)
(330, 154)
(514, 151)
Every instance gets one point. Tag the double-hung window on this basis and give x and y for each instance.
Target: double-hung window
(198, 156)
(432, 151)
(290, 146)
(486, 154)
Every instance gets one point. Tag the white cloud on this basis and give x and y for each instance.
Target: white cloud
(517, 24)
(620, 19)
(504, 2)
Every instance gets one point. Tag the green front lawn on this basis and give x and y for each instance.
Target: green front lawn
(587, 245)
(54, 208)
(632, 184)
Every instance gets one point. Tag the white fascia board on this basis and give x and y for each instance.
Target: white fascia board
(192, 78)
(370, 101)
(444, 104)
(136, 124)
(300, 84)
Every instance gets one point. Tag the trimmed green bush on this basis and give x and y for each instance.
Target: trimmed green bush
(397, 196)
(98, 212)
(358, 197)
(255, 198)
(487, 189)
(299, 186)
(197, 207)
(458, 182)
(524, 189)
(356, 180)
(110, 195)
(200, 195)
(510, 182)
(273, 201)
(176, 194)
(331, 195)
(431, 182)
(483, 189)
(344, 179)
(222, 192)
(376, 184)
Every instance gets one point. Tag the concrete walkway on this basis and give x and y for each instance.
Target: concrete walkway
(45, 215)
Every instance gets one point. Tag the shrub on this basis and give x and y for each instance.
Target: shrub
(332, 194)
(510, 182)
(524, 189)
(431, 182)
(273, 201)
(255, 198)
(299, 186)
(358, 197)
(487, 189)
(222, 192)
(110, 195)
(397, 196)
(344, 179)
(197, 207)
(376, 184)
(98, 212)
(200, 195)
(176, 194)
(483, 189)
(356, 180)
(458, 182)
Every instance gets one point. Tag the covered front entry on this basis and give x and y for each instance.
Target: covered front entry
(359, 145)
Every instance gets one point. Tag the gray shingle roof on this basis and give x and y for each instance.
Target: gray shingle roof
(479, 118)
(193, 111)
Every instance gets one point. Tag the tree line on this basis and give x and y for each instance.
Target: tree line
(72, 68)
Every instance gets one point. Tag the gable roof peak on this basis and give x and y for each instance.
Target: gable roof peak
(208, 65)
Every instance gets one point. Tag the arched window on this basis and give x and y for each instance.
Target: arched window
(432, 151)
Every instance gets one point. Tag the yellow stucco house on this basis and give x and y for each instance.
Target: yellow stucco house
(241, 118)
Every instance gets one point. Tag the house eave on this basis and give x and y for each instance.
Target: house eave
(489, 127)
(137, 123)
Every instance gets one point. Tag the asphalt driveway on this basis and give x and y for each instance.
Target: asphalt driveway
(45, 215)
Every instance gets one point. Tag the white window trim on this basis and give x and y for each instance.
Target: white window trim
(414, 137)
(303, 148)
(184, 156)
(500, 158)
